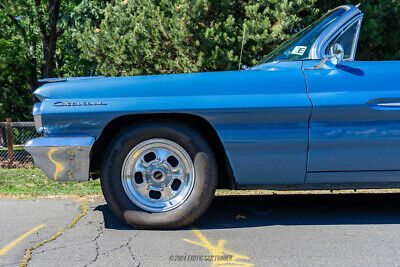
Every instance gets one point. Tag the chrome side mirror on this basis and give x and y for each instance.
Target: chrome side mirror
(336, 53)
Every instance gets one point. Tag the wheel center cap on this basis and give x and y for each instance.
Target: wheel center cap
(158, 175)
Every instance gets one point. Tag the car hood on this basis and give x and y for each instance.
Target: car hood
(136, 86)
(192, 84)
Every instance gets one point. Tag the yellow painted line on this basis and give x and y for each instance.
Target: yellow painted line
(19, 239)
(219, 252)
(59, 166)
(28, 253)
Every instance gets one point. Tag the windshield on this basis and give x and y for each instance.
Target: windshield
(299, 46)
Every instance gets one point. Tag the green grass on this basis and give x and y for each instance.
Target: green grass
(15, 148)
(34, 183)
(27, 183)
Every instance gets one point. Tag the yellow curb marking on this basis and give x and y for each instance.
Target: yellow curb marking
(219, 251)
(4, 250)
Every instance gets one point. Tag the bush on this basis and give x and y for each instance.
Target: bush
(151, 37)
(133, 37)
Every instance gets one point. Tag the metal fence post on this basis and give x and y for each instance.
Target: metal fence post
(10, 146)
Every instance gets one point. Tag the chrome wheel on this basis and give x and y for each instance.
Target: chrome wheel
(157, 175)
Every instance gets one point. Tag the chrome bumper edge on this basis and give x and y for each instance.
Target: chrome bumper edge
(62, 158)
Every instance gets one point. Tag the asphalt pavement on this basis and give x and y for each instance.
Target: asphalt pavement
(18, 217)
(275, 230)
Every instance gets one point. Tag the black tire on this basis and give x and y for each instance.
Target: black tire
(205, 178)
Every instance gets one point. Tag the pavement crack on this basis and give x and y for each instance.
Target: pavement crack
(125, 244)
(100, 231)
(131, 251)
(61, 247)
(28, 253)
(118, 248)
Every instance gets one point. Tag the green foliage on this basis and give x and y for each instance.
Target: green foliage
(149, 37)
(144, 37)
(154, 36)
(134, 37)
(18, 47)
(21, 53)
(72, 24)
(266, 24)
(379, 36)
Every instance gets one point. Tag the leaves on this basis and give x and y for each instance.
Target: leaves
(141, 37)
(151, 37)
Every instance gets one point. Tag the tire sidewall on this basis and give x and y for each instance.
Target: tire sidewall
(205, 179)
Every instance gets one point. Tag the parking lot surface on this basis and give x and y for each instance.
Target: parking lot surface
(19, 217)
(280, 230)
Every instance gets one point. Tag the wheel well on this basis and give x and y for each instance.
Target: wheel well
(226, 176)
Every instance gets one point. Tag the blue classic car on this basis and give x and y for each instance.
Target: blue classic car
(307, 116)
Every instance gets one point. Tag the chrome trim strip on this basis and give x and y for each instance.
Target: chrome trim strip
(357, 35)
(62, 158)
(394, 104)
(66, 79)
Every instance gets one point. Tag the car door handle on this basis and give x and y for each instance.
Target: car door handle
(385, 102)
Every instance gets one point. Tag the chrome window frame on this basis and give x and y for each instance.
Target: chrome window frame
(317, 51)
(346, 26)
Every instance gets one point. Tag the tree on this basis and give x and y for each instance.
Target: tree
(379, 37)
(267, 23)
(41, 22)
(28, 42)
(48, 33)
(148, 37)
(18, 57)
(144, 37)
(69, 60)
(41, 38)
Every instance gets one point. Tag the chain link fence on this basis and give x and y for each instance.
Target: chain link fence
(13, 136)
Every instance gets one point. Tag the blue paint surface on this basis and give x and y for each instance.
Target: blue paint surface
(348, 131)
(281, 123)
(260, 115)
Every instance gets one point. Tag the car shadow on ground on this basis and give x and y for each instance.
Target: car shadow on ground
(256, 211)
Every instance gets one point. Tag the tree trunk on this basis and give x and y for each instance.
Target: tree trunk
(32, 78)
(49, 36)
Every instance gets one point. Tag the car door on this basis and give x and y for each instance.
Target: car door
(264, 125)
(354, 129)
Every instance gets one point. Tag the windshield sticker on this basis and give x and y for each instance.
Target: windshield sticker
(299, 50)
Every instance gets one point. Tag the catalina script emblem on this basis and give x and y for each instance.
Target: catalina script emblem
(78, 104)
